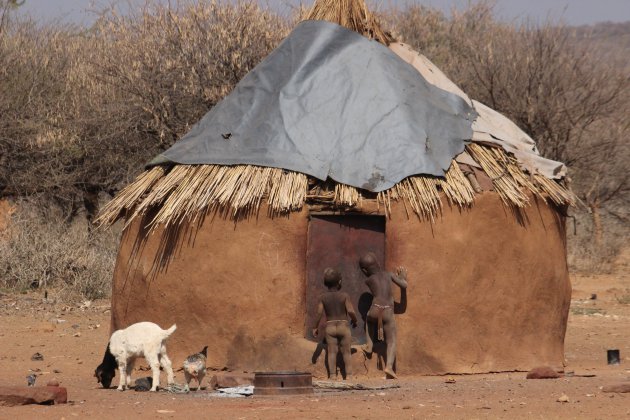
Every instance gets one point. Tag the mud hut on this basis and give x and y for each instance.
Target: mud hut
(343, 141)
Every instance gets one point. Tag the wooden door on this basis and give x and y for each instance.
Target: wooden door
(339, 242)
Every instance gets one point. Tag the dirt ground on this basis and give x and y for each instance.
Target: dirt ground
(72, 341)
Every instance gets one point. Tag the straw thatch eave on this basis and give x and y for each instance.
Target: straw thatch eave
(180, 193)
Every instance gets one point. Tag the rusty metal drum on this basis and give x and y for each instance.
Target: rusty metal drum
(283, 383)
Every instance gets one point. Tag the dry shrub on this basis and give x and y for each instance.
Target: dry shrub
(587, 256)
(170, 67)
(81, 111)
(43, 251)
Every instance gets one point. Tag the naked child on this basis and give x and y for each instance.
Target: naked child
(380, 316)
(337, 307)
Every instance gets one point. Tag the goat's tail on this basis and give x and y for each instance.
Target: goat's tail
(170, 331)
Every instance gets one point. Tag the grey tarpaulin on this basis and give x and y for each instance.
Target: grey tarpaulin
(329, 102)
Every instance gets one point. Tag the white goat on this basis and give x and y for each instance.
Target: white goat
(144, 339)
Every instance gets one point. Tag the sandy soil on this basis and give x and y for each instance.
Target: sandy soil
(73, 344)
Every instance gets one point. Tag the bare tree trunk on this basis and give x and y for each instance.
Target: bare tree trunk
(594, 206)
(90, 203)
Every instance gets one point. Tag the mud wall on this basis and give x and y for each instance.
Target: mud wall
(489, 291)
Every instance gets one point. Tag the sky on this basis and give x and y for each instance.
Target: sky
(572, 12)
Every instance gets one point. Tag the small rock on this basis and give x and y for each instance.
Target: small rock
(22, 395)
(37, 357)
(543, 372)
(78, 334)
(617, 388)
(56, 371)
(52, 382)
(75, 326)
(450, 380)
(143, 384)
(563, 398)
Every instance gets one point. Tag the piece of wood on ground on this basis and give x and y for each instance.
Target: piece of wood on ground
(348, 386)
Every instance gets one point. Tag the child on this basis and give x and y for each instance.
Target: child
(337, 307)
(381, 313)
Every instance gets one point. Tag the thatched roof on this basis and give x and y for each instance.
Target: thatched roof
(178, 193)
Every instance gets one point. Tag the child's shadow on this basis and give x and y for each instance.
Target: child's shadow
(322, 347)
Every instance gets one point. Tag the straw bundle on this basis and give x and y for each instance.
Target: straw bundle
(351, 14)
(509, 180)
(129, 196)
(346, 196)
(557, 193)
(422, 193)
(507, 188)
(184, 192)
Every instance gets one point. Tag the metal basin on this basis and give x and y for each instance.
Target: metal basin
(283, 383)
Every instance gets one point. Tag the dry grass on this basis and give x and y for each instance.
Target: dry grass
(623, 299)
(42, 251)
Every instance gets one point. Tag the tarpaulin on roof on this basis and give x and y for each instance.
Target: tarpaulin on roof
(329, 102)
(490, 126)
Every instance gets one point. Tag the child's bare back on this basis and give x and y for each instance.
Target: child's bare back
(337, 305)
(337, 308)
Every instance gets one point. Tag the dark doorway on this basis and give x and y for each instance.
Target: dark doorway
(339, 242)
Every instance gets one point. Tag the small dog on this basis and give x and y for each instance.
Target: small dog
(144, 339)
